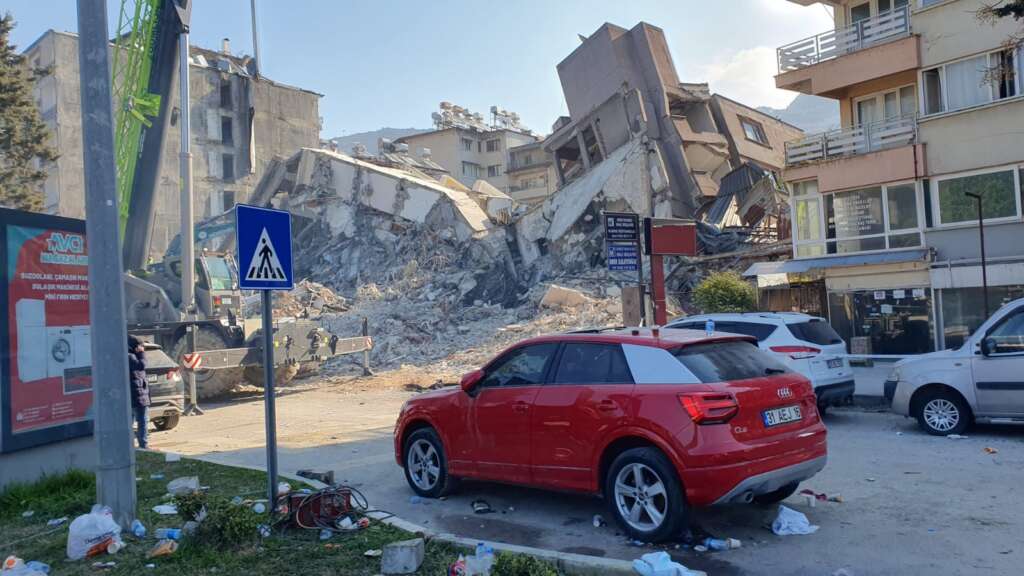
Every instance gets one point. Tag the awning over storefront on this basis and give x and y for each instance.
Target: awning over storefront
(808, 264)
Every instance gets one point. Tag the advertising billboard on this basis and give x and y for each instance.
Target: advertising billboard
(46, 388)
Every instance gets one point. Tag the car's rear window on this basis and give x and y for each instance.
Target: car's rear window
(759, 331)
(725, 361)
(815, 332)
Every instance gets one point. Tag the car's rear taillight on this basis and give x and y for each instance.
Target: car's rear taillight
(174, 375)
(708, 407)
(217, 300)
(797, 352)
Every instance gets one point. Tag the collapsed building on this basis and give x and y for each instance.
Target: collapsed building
(430, 254)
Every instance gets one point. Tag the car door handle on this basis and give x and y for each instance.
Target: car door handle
(607, 406)
(520, 406)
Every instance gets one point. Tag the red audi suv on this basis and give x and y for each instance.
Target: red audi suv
(655, 421)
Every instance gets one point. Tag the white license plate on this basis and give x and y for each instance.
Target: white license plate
(835, 363)
(226, 301)
(151, 378)
(781, 416)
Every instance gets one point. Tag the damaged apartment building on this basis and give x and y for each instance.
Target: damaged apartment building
(240, 124)
(621, 86)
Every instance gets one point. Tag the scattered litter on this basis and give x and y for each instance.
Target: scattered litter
(168, 534)
(481, 562)
(283, 488)
(156, 476)
(14, 566)
(870, 479)
(363, 523)
(482, 507)
(636, 543)
(259, 507)
(326, 534)
(93, 533)
(183, 485)
(346, 524)
(172, 457)
(190, 527)
(956, 437)
(790, 522)
(598, 521)
(375, 553)
(810, 500)
(104, 565)
(842, 572)
(700, 548)
(162, 548)
(28, 513)
(458, 568)
(116, 546)
(325, 476)
(263, 530)
(150, 565)
(659, 564)
(932, 530)
(899, 433)
(138, 529)
(165, 509)
(991, 450)
(812, 495)
(57, 521)
(415, 500)
(911, 472)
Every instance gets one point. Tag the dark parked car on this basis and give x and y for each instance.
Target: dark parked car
(166, 388)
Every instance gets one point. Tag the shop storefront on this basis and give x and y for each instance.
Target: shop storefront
(960, 299)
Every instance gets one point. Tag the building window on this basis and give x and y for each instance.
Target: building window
(963, 310)
(228, 198)
(228, 166)
(998, 190)
(972, 82)
(226, 132)
(895, 321)
(467, 144)
(470, 169)
(225, 93)
(494, 170)
(753, 131)
(866, 220)
(493, 145)
(527, 159)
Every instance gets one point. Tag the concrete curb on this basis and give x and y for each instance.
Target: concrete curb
(572, 564)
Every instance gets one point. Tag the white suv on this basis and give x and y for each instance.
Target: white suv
(806, 344)
(983, 380)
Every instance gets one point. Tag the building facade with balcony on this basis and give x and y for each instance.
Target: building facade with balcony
(531, 173)
(932, 109)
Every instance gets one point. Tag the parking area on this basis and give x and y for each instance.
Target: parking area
(912, 503)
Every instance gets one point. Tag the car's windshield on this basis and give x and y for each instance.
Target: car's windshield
(221, 277)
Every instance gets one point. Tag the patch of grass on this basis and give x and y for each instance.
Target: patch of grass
(50, 497)
(289, 551)
(513, 565)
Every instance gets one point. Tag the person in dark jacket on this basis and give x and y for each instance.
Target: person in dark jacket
(139, 387)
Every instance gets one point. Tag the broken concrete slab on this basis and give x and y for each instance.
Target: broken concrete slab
(402, 557)
(562, 297)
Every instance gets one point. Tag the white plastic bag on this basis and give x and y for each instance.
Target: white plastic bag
(790, 522)
(659, 564)
(92, 533)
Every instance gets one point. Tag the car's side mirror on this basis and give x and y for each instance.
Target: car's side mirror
(469, 381)
(988, 346)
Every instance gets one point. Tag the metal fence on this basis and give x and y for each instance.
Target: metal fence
(834, 43)
(861, 139)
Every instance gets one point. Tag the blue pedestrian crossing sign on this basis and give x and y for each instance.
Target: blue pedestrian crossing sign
(264, 248)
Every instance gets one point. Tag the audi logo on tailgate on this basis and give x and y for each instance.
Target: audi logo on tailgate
(785, 393)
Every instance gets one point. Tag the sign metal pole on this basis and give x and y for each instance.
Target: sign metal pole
(268, 398)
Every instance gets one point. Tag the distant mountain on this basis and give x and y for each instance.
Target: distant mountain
(369, 139)
(809, 113)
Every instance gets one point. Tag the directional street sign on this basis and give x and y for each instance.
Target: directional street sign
(264, 248)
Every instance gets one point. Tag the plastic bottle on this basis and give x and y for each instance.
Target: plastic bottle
(326, 534)
(709, 327)
(168, 534)
(39, 567)
(138, 529)
(716, 544)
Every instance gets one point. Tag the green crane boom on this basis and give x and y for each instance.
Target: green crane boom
(135, 104)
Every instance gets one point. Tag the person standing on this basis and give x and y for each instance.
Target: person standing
(139, 388)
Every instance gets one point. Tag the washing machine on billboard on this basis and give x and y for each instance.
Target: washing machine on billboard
(51, 351)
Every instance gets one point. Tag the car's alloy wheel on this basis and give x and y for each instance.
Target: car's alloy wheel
(641, 497)
(941, 415)
(423, 464)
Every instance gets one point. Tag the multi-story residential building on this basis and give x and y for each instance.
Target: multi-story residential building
(615, 77)
(239, 123)
(884, 221)
(531, 173)
(468, 148)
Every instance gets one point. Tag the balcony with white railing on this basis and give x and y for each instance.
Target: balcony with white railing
(885, 27)
(860, 139)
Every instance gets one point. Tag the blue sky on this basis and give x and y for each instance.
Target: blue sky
(389, 63)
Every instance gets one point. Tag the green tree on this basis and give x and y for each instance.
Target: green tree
(24, 139)
(725, 292)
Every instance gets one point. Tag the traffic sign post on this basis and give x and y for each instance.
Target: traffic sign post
(265, 263)
(622, 240)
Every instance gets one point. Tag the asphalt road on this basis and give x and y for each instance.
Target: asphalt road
(913, 504)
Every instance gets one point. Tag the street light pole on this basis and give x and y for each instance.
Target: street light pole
(981, 233)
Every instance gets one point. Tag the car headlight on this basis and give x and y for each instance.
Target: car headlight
(894, 376)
